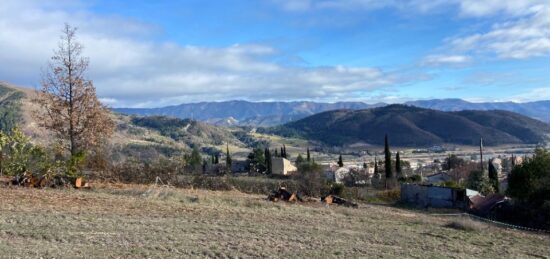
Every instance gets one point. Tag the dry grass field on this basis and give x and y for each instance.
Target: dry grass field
(141, 221)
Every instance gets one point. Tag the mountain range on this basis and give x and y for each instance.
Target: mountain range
(412, 126)
(244, 113)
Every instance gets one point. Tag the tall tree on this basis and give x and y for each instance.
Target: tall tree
(228, 160)
(481, 153)
(285, 155)
(340, 161)
(387, 161)
(282, 152)
(308, 156)
(68, 101)
(398, 165)
(217, 158)
(493, 176)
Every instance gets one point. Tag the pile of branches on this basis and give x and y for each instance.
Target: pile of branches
(282, 194)
(53, 181)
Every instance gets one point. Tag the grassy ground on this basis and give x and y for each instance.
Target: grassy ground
(140, 221)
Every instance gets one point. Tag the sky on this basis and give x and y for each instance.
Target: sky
(157, 53)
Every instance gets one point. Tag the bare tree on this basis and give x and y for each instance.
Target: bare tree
(70, 107)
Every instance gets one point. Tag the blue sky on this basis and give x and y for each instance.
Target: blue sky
(156, 53)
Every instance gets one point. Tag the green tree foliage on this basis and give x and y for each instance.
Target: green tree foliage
(256, 161)
(228, 160)
(453, 162)
(308, 155)
(493, 177)
(478, 180)
(530, 181)
(340, 161)
(18, 155)
(387, 161)
(194, 160)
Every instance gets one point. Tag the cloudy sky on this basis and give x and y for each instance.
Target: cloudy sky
(156, 53)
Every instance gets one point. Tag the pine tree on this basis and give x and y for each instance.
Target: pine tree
(493, 177)
(228, 161)
(308, 155)
(340, 161)
(387, 161)
(398, 165)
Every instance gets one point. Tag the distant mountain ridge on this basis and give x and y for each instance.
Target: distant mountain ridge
(414, 126)
(244, 113)
(539, 110)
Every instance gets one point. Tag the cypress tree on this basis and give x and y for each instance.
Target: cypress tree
(217, 158)
(308, 155)
(276, 153)
(387, 161)
(268, 160)
(340, 161)
(398, 165)
(228, 161)
(481, 153)
(282, 152)
(493, 177)
(285, 154)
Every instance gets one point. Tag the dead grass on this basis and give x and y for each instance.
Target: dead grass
(140, 221)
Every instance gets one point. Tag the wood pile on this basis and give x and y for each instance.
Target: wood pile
(57, 181)
(333, 199)
(282, 194)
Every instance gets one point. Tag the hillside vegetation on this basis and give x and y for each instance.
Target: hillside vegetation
(10, 107)
(139, 221)
(412, 126)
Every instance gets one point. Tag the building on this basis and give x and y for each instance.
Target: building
(281, 166)
(429, 196)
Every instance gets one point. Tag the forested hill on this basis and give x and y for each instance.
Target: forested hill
(413, 126)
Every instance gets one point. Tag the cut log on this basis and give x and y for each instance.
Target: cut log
(78, 182)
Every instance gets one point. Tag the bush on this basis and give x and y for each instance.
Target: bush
(478, 180)
(392, 195)
(465, 225)
(18, 155)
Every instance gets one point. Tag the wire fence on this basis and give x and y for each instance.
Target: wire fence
(498, 223)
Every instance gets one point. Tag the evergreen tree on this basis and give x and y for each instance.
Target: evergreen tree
(387, 161)
(282, 152)
(212, 159)
(285, 155)
(276, 153)
(228, 161)
(204, 164)
(308, 155)
(493, 177)
(398, 165)
(217, 158)
(340, 161)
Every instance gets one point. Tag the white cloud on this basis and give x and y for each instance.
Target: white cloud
(129, 71)
(451, 60)
(541, 93)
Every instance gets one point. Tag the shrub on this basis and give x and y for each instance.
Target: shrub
(465, 225)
